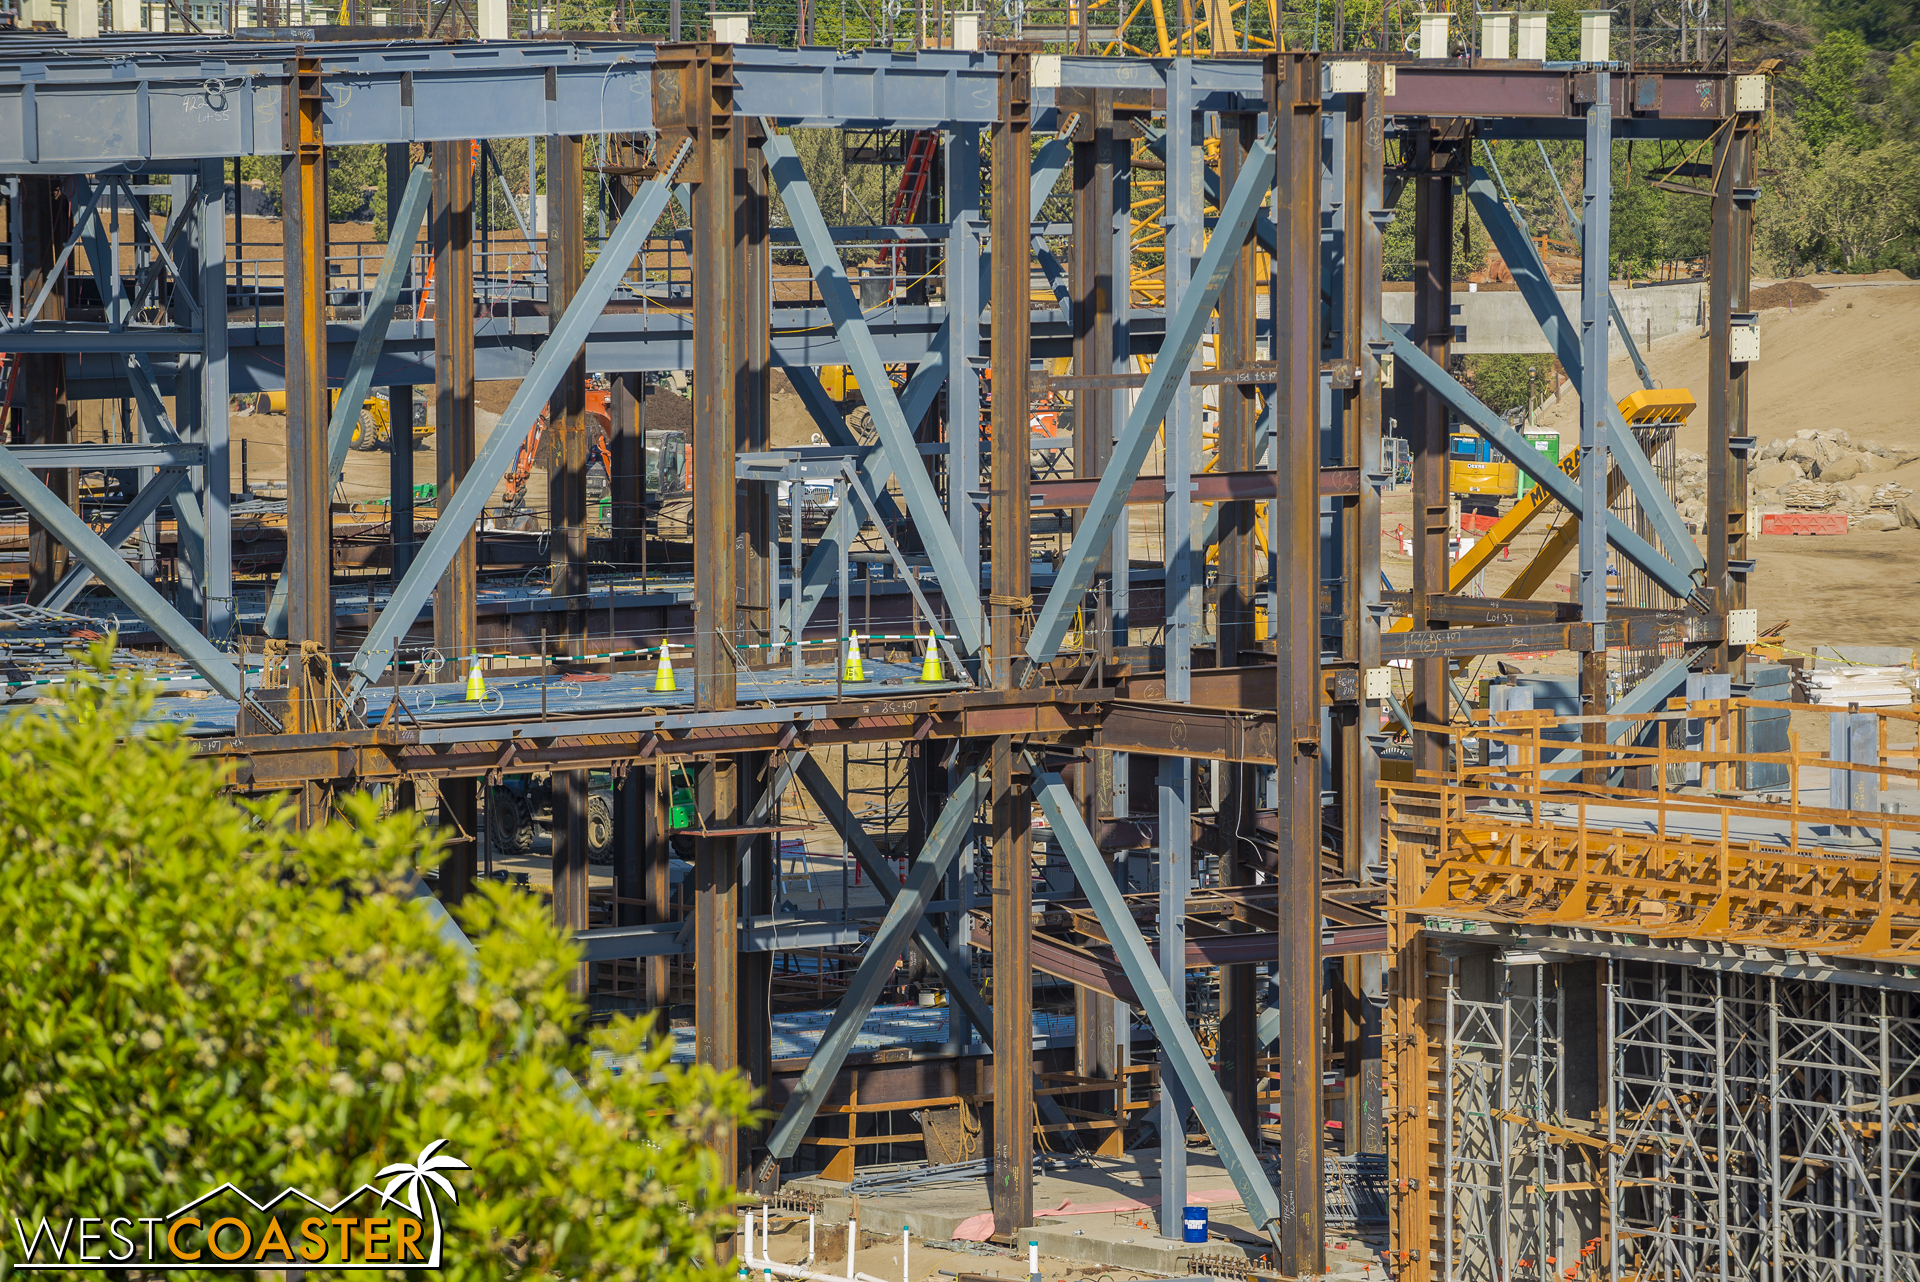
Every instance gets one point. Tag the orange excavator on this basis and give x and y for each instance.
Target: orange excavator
(599, 426)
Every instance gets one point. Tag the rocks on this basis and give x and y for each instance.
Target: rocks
(1771, 451)
(1909, 512)
(1774, 475)
(1877, 522)
(1843, 468)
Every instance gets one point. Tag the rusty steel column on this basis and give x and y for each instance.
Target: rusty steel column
(1098, 1027)
(1729, 560)
(303, 204)
(693, 97)
(45, 221)
(756, 555)
(1294, 92)
(1359, 763)
(1234, 631)
(656, 873)
(1010, 530)
(1426, 428)
(627, 486)
(567, 522)
(454, 630)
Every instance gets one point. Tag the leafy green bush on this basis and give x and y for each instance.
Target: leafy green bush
(192, 991)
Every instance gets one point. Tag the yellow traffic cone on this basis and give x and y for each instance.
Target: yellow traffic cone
(930, 665)
(476, 683)
(855, 670)
(663, 675)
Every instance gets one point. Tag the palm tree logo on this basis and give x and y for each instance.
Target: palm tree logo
(423, 1174)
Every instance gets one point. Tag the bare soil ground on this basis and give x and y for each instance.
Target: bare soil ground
(1850, 360)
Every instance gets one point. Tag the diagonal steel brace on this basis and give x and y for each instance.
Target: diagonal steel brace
(1169, 372)
(959, 582)
(461, 510)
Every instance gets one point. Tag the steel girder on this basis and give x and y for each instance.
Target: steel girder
(863, 990)
(959, 581)
(1496, 429)
(1165, 1009)
(1169, 374)
(460, 513)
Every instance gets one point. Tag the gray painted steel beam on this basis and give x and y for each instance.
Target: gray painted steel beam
(119, 577)
(1528, 460)
(953, 971)
(457, 518)
(95, 455)
(1530, 275)
(959, 581)
(403, 230)
(159, 488)
(874, 471)
(1168, 376)
(1165, 1009)
(949, 833)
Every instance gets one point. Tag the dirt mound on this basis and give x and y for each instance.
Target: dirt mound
(1788, 293)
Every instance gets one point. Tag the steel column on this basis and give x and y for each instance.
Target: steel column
(400, 397)
(303, 206)
(693, 92)
(1295, 100)
(1729, 555)
(964, 280)
(1184, 231)
(1425, 424)
(1010, 524)
(1234, 632)
(44, 218)
(215, 572)
(1359, 758)
(1595, 286)
(566, 442)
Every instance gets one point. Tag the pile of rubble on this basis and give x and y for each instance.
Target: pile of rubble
(1827, 471)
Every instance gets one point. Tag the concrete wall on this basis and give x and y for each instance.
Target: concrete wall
(1498, 321)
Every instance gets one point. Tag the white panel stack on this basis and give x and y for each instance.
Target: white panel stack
(1433, 34)
(1869, 687)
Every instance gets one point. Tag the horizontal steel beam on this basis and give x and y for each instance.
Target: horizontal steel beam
(96, 456)
(1206, 487)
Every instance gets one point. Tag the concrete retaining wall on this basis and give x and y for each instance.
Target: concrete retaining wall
(1497, 321)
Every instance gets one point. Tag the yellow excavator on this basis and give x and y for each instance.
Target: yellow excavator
(1645, 408)
(373, 430)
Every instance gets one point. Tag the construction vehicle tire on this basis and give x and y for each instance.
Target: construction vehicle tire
(600, 828)
(861, 424)
(366, 434)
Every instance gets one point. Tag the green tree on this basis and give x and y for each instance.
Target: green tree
(1864, 203)
(1903, 95)
(196, 992)
(1509, 382)
(1827, 91)
(1783, 231)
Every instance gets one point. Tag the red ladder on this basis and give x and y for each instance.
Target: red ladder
(921, 148)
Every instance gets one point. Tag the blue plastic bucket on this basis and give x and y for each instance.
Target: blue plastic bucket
(1195, 1224)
